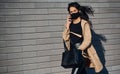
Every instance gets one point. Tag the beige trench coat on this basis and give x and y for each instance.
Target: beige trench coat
(95, 61)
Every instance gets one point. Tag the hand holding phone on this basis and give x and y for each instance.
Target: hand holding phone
(68, 21)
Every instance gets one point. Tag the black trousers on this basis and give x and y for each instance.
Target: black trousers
(79, 71)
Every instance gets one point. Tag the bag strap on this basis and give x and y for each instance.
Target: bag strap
(76, 34)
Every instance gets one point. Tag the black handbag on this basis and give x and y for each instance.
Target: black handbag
(72, 58)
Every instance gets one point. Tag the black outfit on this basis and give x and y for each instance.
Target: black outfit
(77, 29)
(74, 39)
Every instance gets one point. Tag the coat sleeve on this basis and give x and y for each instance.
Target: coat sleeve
(66, 34)
(86, 36)
(66, 37)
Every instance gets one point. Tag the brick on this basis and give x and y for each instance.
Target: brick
(34, 11)
(106, 10)
(19, 72)
(37, 71)
(116, 67)
(21, 42)
(30, 66)
(3, 69)
(106, 26)
(36, 59)
(15, 68)
(106, 15)
(9, 12)
(12, 37)
(10, 49)
(107, 20)
(57, 11)
(50, 40)
(34, 23)
(49, 52)
(15, 55)
(6, 63)
(17, 5)
(49, 28)
(9, 24)
(2, 43)
(114, 72)
(3, 56)
(30, 48)
(57, 22)
(28, 54)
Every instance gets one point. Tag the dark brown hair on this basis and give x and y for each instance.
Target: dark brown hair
(85, 10)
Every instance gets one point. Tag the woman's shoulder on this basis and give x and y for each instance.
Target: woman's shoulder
(84, 24)
(84, 21)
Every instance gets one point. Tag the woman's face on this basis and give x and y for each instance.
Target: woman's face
(73, 10)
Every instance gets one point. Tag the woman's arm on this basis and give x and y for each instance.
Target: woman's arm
(86, 36)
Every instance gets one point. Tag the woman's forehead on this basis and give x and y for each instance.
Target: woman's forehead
(73, 8)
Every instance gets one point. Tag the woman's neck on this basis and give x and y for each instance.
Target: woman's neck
(77, 20)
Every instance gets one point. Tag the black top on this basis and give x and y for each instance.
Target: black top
(77, 29)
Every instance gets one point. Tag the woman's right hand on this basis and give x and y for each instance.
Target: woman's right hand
(68, 22)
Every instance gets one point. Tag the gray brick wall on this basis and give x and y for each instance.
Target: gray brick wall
(31, 30)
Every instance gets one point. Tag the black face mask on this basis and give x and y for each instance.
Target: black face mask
(75, 15)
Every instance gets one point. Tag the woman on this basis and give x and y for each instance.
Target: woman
(77, 30)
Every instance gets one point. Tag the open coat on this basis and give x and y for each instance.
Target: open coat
(86, 44)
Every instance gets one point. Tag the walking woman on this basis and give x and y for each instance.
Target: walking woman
(78, 30)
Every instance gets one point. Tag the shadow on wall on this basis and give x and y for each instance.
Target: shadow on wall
(97, 43)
